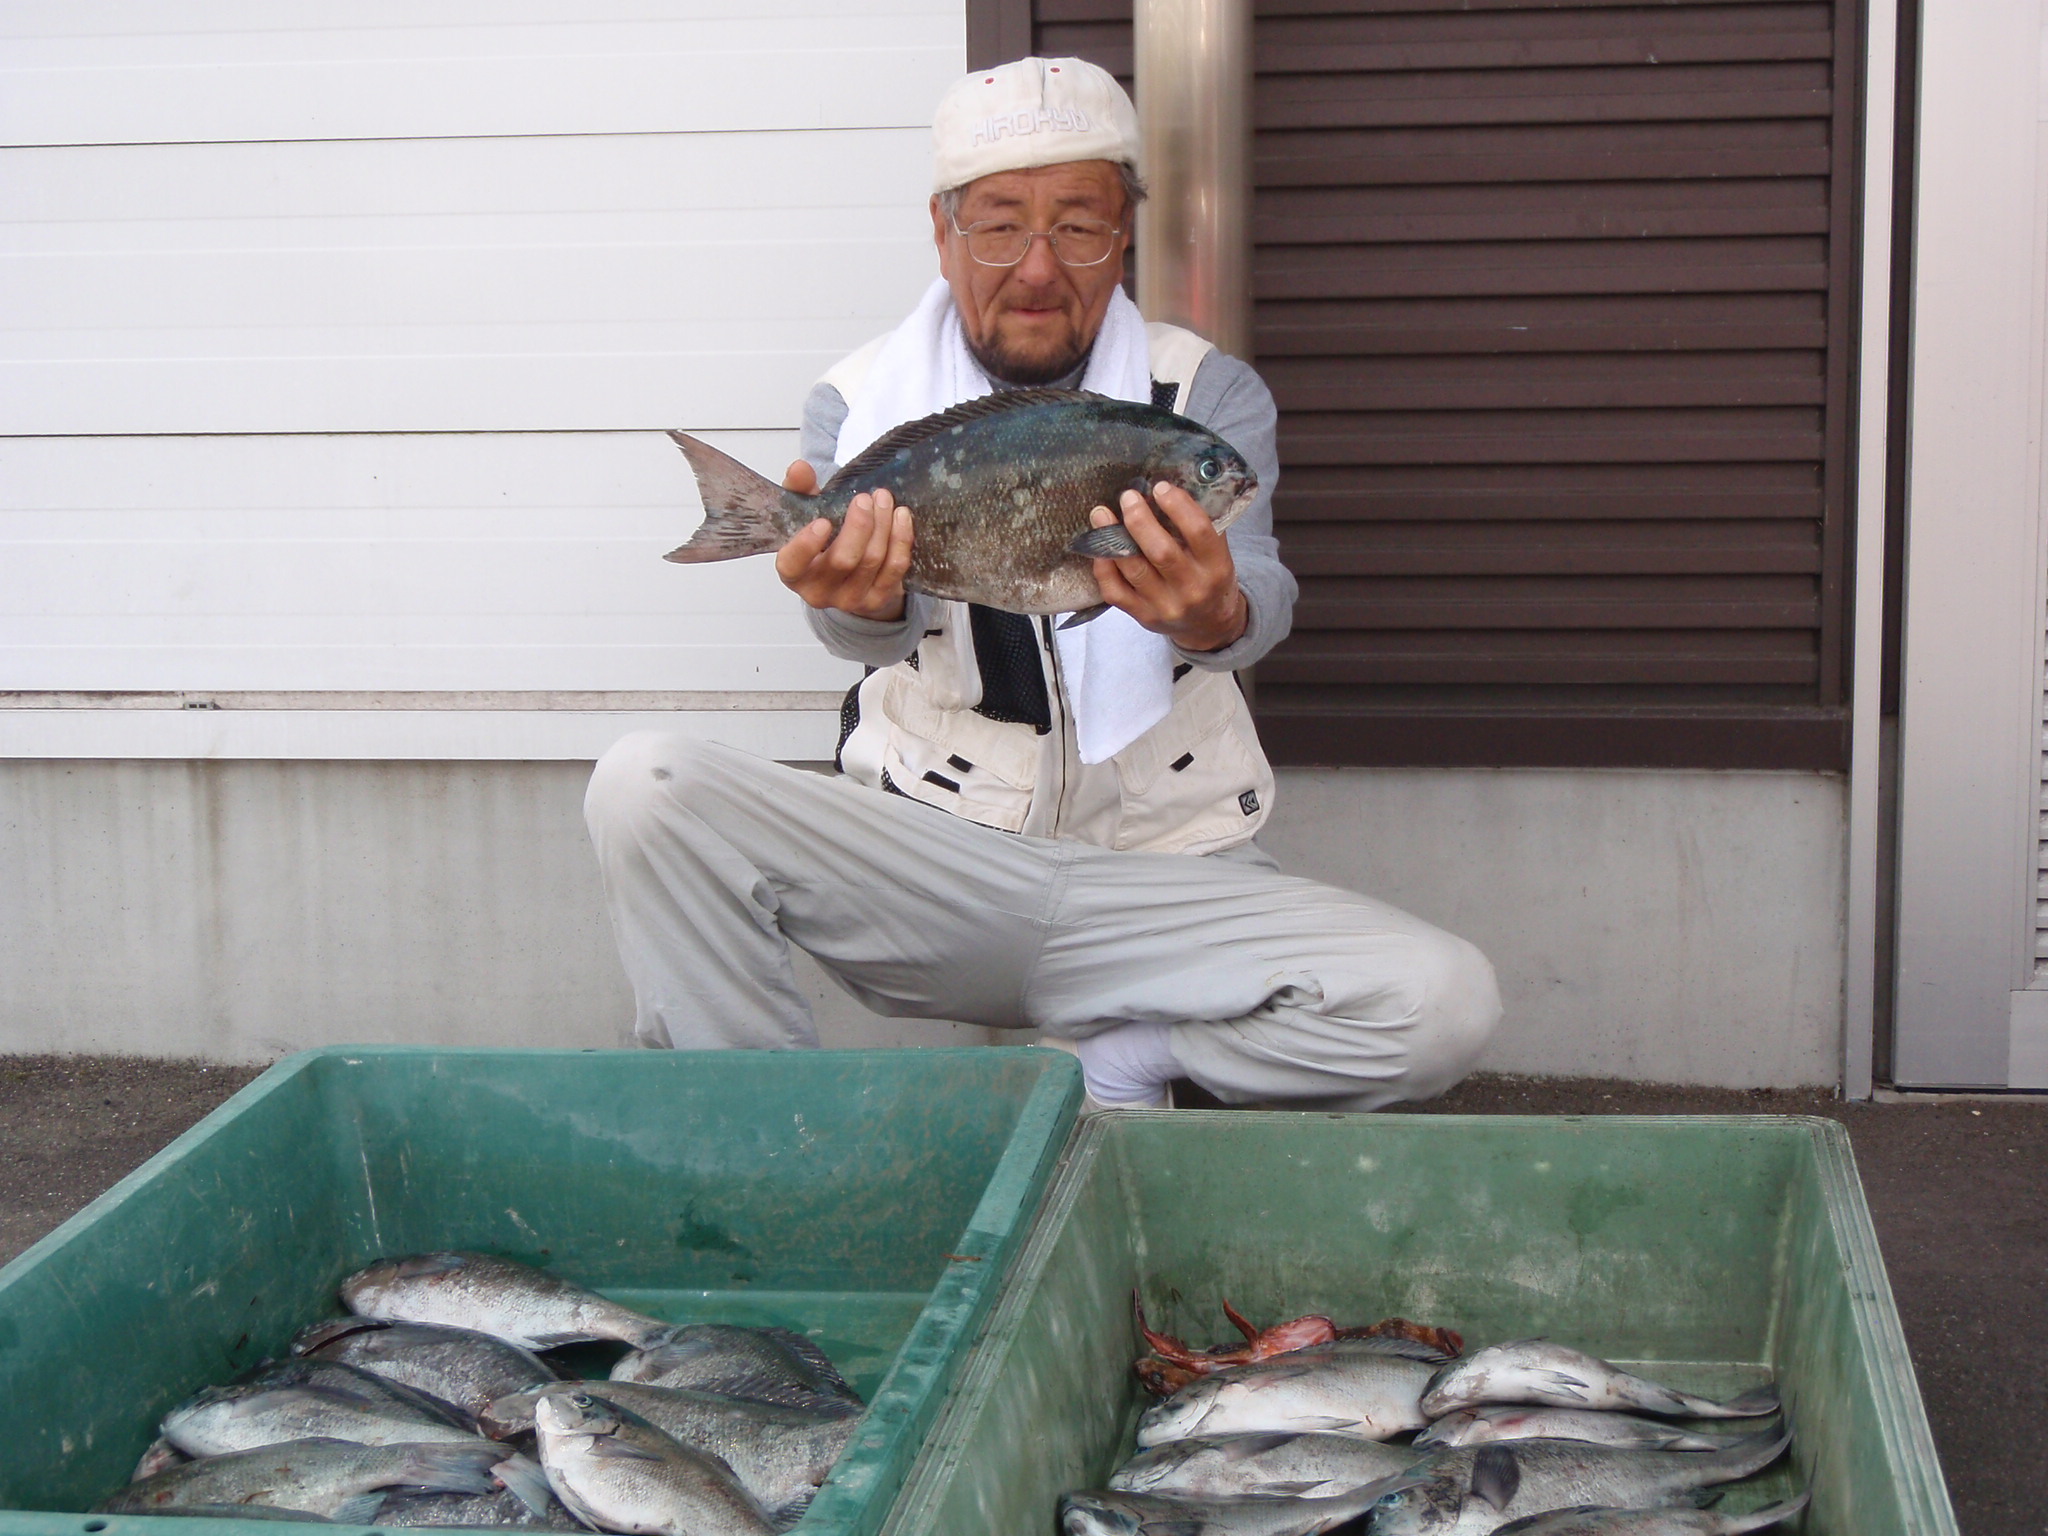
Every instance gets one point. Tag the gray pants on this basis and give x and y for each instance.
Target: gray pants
(715, 862)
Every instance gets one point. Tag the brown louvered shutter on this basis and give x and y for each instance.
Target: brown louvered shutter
(1556, 302)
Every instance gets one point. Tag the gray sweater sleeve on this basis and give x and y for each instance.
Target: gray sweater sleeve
(1233, 402)
(868, 641)
(1228, 398)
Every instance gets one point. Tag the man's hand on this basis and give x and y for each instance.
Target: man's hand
(857, 568)
(1184, 584)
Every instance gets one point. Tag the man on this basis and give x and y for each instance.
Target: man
(1035, 827)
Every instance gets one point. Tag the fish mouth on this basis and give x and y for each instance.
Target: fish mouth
(1237, 507)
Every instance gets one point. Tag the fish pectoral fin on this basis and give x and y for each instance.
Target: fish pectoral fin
(525, 1481)
(1112, 541)
(1313, 1423)
(1172, 1526)
(538, 1341)
(1496, 1476)
(1313, 1488)
(1244, 1447)
(1083, 616)
(606, 1448)
(360, 1510)
(1568, 1385)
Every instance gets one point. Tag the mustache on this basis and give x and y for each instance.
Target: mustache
(1049, 298)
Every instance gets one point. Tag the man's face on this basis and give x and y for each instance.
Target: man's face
(1034, 322)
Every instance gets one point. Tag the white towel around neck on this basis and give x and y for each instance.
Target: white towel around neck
(1119, 675)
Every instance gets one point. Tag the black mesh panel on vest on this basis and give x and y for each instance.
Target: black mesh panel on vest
(1012, 677)
(1164, 394)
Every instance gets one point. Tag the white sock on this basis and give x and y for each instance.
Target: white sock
(1131, 1064)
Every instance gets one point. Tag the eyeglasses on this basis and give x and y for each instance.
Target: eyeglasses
(1075, 242)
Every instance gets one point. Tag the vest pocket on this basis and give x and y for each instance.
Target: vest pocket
(957, 760)
(1197, 782)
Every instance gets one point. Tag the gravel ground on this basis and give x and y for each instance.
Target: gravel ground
(1959, 1191)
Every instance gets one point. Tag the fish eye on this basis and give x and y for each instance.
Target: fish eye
(582, 1399)
(1208, 470)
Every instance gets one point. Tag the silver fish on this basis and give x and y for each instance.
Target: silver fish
(292, 1403)
(773, 1365)
(1539, 1372)
(1304, 1466)
(1368, 1388)
(334, 1478)
(502, 1510)
(617, 1472)
(1483, 1426)
(1106, 1512)
(780, 1455)
(508, 1300)
(1000, 489)
(243, 1512)
(1651, 1522)
(457, 1365)
(1475, 1492)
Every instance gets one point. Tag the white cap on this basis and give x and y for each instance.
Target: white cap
(1028, 113)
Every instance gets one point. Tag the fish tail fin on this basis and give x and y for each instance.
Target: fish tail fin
(360, 1510)
(743, 511)
(450, 1468)
(1751, 1453)
(1767, 1517)
(1753, 1404)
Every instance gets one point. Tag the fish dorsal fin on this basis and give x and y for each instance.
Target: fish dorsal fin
(1001, 403)
(1404, 1349)
(808, 1352)
(1244, 1447)
(1496, 1476)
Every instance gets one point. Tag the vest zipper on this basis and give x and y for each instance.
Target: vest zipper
(1056, 709)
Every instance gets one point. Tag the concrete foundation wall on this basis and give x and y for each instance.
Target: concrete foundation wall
(1674, 927)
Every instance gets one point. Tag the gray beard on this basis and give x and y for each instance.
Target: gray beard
(1005, 374)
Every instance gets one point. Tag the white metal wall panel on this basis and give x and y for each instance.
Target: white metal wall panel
(213, 73)
(478, 561)
(1970, 716)
(697, 280)
(333, 342)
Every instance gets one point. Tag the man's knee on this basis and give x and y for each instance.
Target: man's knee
(1457, 1008)
(639, 774)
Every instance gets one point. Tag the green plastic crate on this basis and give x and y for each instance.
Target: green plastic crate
(1711, 1252)
(869, 1198)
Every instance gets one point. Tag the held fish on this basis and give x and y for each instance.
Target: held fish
(617, 1472)
(1302, 1466)
(772, 1365)
(457, 1365)
(1475, 1492)
(1367, 1388)
(1538, 1372)
(1484, 1426)
(333, 1478)
(507, 1300)
(779, 1454)
(1652, 1522)
(1000, 490)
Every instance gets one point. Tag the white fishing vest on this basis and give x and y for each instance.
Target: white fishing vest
(1197, 782)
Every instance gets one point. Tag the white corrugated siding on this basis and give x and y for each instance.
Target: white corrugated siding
(338, 340)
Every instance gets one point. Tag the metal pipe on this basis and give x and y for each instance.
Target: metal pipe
(1194, 95)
